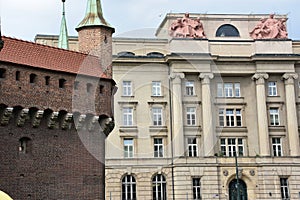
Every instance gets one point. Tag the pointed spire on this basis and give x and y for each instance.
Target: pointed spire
(93, 16)
(63, 35)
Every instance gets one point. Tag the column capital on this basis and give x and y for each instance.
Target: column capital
(289, 78)
(260, 77)
(176, 75)
(206, 76)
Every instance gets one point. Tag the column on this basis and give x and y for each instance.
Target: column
(262, 115)
(178, 136)
(291, 113)
(208, 128)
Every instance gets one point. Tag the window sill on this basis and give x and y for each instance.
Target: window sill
(277, 128)
(232, 129)
(158, 129)
(128, 129)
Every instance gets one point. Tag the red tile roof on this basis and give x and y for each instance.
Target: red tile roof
(41, 56)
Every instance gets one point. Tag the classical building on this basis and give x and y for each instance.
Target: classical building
(55, 113)
(207, 88)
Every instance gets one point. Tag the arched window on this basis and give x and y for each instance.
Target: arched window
(32, 78)
(128, 188)
(233, 190)
(227, 30)
(159, 187)
(24, 145)
(2, 73)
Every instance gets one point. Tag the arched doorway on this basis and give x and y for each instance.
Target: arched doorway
(233, 190)
(4, 196)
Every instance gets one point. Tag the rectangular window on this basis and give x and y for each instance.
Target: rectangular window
(230, 117)
(196, 189)
(157, 116)
(231, 146)
(272, 88)
(192, 147)
(274, 117)
(128, 148)
(190, 88)
(158, 148)
(127, 88)
(127, 116)
(228, 90)
(276, 146)
(284, 188)
(156, 88)
(191, 116)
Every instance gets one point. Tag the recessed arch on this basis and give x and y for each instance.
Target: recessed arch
(227, 30)
(232, 187)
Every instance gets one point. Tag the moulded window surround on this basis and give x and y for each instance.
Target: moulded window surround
(62, 83)
(156, 88)
(191, 116)
(230, 117)
(158, 148)
(128, 147)
(284, 189)
(227, 30)
(230, 146)
(2, 73)
(128, 188)
(228, 90)
(157, 116)
(192, 147)
(127, 88)
(32, 78)
(196, 188)
(277, 146)
(274, 117)
(127, 116)
(17, 75)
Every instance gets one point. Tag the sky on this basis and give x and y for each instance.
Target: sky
(23, 19)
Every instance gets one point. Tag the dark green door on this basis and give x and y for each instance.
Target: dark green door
(233, 190)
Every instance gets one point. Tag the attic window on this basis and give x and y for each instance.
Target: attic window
(62, 83)
(155, 55)
(2, 73)
(126, 54)
(227, 30)
(32, 78)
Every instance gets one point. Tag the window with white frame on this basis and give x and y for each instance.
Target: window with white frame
(284, 188)
(127, 88)
(196, 189)
(276, 146)
(158, 148)
(157, 116)
(192, 147)
(190, 88)
(128, 188)
(274, 116)
(127, 116)
(228, 90)
(159, 189)
(128, 148)
(231, 146)
(230, 117)
(272, 88)
(191, 116)
(156, 88)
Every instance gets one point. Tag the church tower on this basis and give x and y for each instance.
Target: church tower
(95, 34)
(63, 35)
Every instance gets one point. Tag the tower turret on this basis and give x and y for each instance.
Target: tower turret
(63, 35)
(95, 34)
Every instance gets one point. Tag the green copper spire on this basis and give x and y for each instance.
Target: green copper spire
(63, 35)
(93, 16)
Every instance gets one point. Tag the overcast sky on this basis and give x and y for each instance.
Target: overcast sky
(24, 19)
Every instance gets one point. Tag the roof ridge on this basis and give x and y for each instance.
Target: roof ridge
(47, 46)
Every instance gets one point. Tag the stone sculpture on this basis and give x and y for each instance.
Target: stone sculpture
(187, 28)
(270, 28)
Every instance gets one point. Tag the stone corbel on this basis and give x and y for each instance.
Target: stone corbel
(81, 122)
(6, 116)
(260, 78)
(37, 119)
(53, 120)
(206, 77)
(93, 123)
(67, 120)
(22, 117)
(289, 78)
